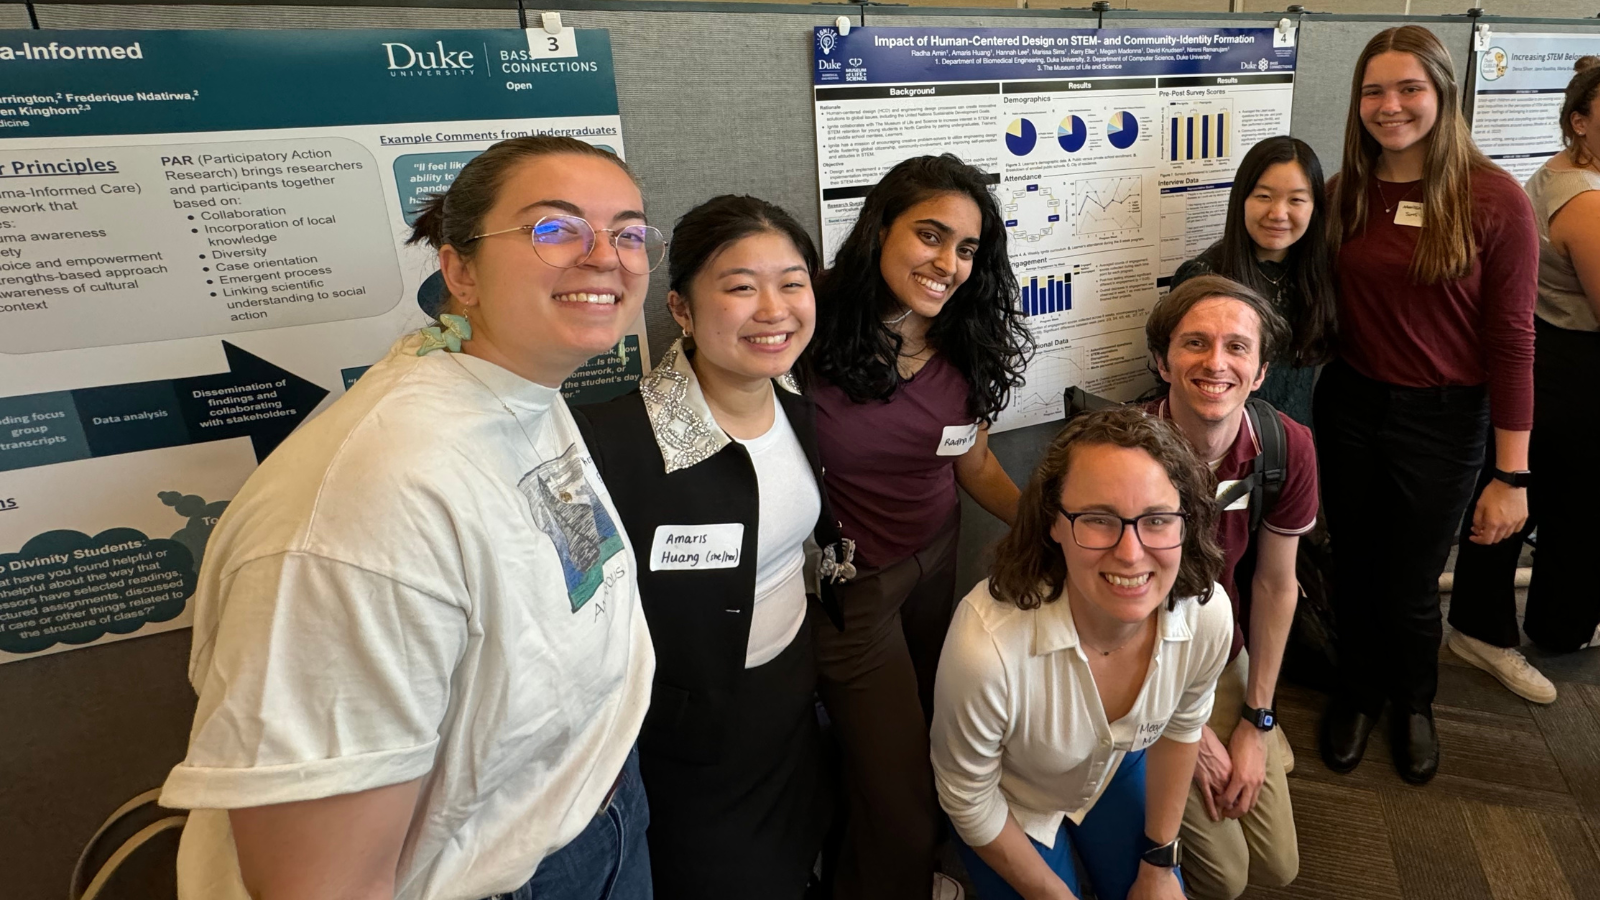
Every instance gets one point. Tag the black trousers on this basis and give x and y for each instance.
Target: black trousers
(1398, 466)
(877, 679)
(1564, 502)
(750, 826)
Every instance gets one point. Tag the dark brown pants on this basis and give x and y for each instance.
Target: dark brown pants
(877, 684)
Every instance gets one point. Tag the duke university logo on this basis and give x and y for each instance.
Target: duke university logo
(405, 60)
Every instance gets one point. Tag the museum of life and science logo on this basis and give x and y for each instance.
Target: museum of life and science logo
(433, 61)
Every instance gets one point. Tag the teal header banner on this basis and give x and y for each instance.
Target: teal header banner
(76, 83)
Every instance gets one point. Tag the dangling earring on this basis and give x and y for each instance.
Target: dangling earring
(454, 330)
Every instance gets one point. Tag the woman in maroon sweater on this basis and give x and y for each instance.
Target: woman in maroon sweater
(1437, 270)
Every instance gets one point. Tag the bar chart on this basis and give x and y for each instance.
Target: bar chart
(1199, 134)
(1050, 295)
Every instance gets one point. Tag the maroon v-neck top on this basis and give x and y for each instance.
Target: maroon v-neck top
(889, 486)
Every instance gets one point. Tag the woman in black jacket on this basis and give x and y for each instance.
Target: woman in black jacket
(1276, 241)
(713, 467)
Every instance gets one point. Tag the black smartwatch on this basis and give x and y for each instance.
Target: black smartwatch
(1518, 479)
(1162, 856)
(1264, 719)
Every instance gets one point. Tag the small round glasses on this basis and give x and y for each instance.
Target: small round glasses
(1102, 531)
(567, 241)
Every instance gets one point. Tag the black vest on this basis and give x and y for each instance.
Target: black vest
(699, 620)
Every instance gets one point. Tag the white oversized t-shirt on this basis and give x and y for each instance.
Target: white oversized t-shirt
(418, 583)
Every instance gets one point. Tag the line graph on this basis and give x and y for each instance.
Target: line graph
(1101, 205)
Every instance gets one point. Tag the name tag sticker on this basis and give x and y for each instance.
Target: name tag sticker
(1149, 733)
(958, 439)
(696, 547)
(1409, 212)
(1243, 500)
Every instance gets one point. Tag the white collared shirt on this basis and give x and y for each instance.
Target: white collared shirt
(1017, 722)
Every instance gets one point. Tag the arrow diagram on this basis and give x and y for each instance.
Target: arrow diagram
(254, 399)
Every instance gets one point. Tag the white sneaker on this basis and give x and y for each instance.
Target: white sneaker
(1594, 640)
(1506, 664)
(947, 888)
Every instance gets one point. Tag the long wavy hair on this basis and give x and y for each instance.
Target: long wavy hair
(1446, 247)
(1309, 266)
(980, 330)
(1030, 569)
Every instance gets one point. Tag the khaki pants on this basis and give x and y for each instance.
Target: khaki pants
(1221, 858)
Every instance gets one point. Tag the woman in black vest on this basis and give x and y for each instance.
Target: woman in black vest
(713, 467)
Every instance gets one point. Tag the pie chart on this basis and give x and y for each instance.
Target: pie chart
(1020, 137)
(1072, 133)
(1122, 130)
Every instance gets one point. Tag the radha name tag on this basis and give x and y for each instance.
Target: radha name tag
(696, 546)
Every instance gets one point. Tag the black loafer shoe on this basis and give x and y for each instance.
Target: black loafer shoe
(1416, 748)
(1344, 735)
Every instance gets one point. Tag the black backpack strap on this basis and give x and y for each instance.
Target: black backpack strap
(1272, 463)
(1075, 400)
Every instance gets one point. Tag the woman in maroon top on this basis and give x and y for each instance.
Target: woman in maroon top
(919, 343)
(1437, 278)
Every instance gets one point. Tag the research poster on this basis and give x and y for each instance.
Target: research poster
(1518, 84)
(1111, 152)
(201, 245)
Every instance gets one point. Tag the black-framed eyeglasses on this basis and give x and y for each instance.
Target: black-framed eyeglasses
(1102, 530)
(567, 241)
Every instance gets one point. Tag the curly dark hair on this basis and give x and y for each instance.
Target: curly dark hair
(980, 330)
(1029, 567)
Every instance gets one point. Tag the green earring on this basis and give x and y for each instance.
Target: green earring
(456, 329)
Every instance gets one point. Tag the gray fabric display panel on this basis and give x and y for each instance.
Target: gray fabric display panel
(736, 121)
(14, 15)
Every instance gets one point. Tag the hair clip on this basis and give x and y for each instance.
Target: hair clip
(456, 329)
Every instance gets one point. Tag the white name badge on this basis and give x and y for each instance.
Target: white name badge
(1409, 213)
(696, 547)
(1149, 733)
(1243, 500)
(958, 439)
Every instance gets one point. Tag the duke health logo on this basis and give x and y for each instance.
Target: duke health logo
(827, 40)
(406, 61)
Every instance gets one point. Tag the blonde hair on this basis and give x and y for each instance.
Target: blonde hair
(1446, 246)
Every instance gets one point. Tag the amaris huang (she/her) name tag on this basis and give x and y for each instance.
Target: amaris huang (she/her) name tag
(696, 546)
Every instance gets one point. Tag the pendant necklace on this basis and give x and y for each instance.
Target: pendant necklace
(532, 445)
(1387, 206)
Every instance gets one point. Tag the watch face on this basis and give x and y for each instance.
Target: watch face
(1267, 721)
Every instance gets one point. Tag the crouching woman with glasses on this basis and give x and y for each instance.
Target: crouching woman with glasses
(1075, 682)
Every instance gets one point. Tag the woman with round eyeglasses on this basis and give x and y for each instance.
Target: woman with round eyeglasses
(1075, 681)
(418, 645)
